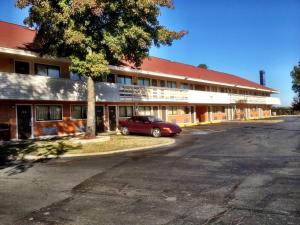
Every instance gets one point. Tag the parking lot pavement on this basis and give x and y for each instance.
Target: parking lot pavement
(229, 173)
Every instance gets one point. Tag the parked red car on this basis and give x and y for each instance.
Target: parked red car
(148, 125)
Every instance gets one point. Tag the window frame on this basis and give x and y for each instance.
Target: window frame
(173, 109)
(49, 105)
(171, 82)
(143, 79)
(22, 61)
(123, 77)
(185, 86)
(81, 112)
(47, 65)
(126, 111)
(144, 106)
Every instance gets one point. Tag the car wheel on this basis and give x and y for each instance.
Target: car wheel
(156, 132)
(124, 131)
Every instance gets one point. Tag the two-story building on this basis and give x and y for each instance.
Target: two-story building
(39, 96)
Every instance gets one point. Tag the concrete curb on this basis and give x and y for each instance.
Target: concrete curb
(34, 157)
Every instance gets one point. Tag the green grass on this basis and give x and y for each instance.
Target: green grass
(61, 146)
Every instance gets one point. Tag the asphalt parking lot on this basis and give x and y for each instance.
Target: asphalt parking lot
(230, 173)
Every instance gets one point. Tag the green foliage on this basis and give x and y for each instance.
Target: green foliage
(93, 65)
(296, 103)
(95, 33)
(295, 74)
(204, 66)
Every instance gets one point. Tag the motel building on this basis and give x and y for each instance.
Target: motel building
(40, 97)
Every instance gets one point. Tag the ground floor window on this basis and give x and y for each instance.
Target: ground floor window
(218, 109)
(78, 111)
(48, 112)
(144, 110)
(125, 111)
(172, 110)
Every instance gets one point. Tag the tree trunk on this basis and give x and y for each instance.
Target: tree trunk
(91, 123)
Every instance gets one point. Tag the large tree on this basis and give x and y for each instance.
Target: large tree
(96, 33)
(295, 74)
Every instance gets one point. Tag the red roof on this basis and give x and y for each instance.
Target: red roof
(15, 36)
(19, 37)
(155, 64)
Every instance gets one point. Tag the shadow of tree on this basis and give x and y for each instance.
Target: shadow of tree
(13, 154)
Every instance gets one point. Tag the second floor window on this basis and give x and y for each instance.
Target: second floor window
(143, 81)
(76, 76)
(171, 84)
(184, 86)
(126, 80)
(21, 67)
(47, 70)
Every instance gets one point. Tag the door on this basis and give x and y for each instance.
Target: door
(99, 119)
(24, 121)
(112, 118)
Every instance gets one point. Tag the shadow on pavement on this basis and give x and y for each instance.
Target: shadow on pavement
(12, 154)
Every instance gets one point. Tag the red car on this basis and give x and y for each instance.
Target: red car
(148, 125)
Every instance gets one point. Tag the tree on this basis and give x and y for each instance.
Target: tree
(295, 74)
(96, 33)
(296, 103)
(204, 66)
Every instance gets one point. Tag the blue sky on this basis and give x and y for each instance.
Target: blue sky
(233, 36)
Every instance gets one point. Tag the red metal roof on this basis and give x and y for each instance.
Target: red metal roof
(19, 37)
(155, 64)
(15, 36)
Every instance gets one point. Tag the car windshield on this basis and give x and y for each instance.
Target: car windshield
(155, 119)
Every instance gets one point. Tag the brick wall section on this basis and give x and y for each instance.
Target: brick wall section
(179, 118)
(8, 116)
(219, 116)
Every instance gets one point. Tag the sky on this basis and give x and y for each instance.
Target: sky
(239, 37)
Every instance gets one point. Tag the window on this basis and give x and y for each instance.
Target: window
(214, 89)
(47, 70)
(143, 81)
(110, 78)
(154, 82)
(126, 80)
(145, 110)
(172, 110)
(171, 84)
(125, 111)
(21, 67)
(78, 111)
(48, 112)
(162, 83)
(218, 109)
(76, 76)
(200, 87)
(184, 86)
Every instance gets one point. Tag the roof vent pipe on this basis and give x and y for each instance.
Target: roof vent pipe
(262, 78)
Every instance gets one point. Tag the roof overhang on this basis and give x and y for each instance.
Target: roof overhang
(174, 76)
(32, 54)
